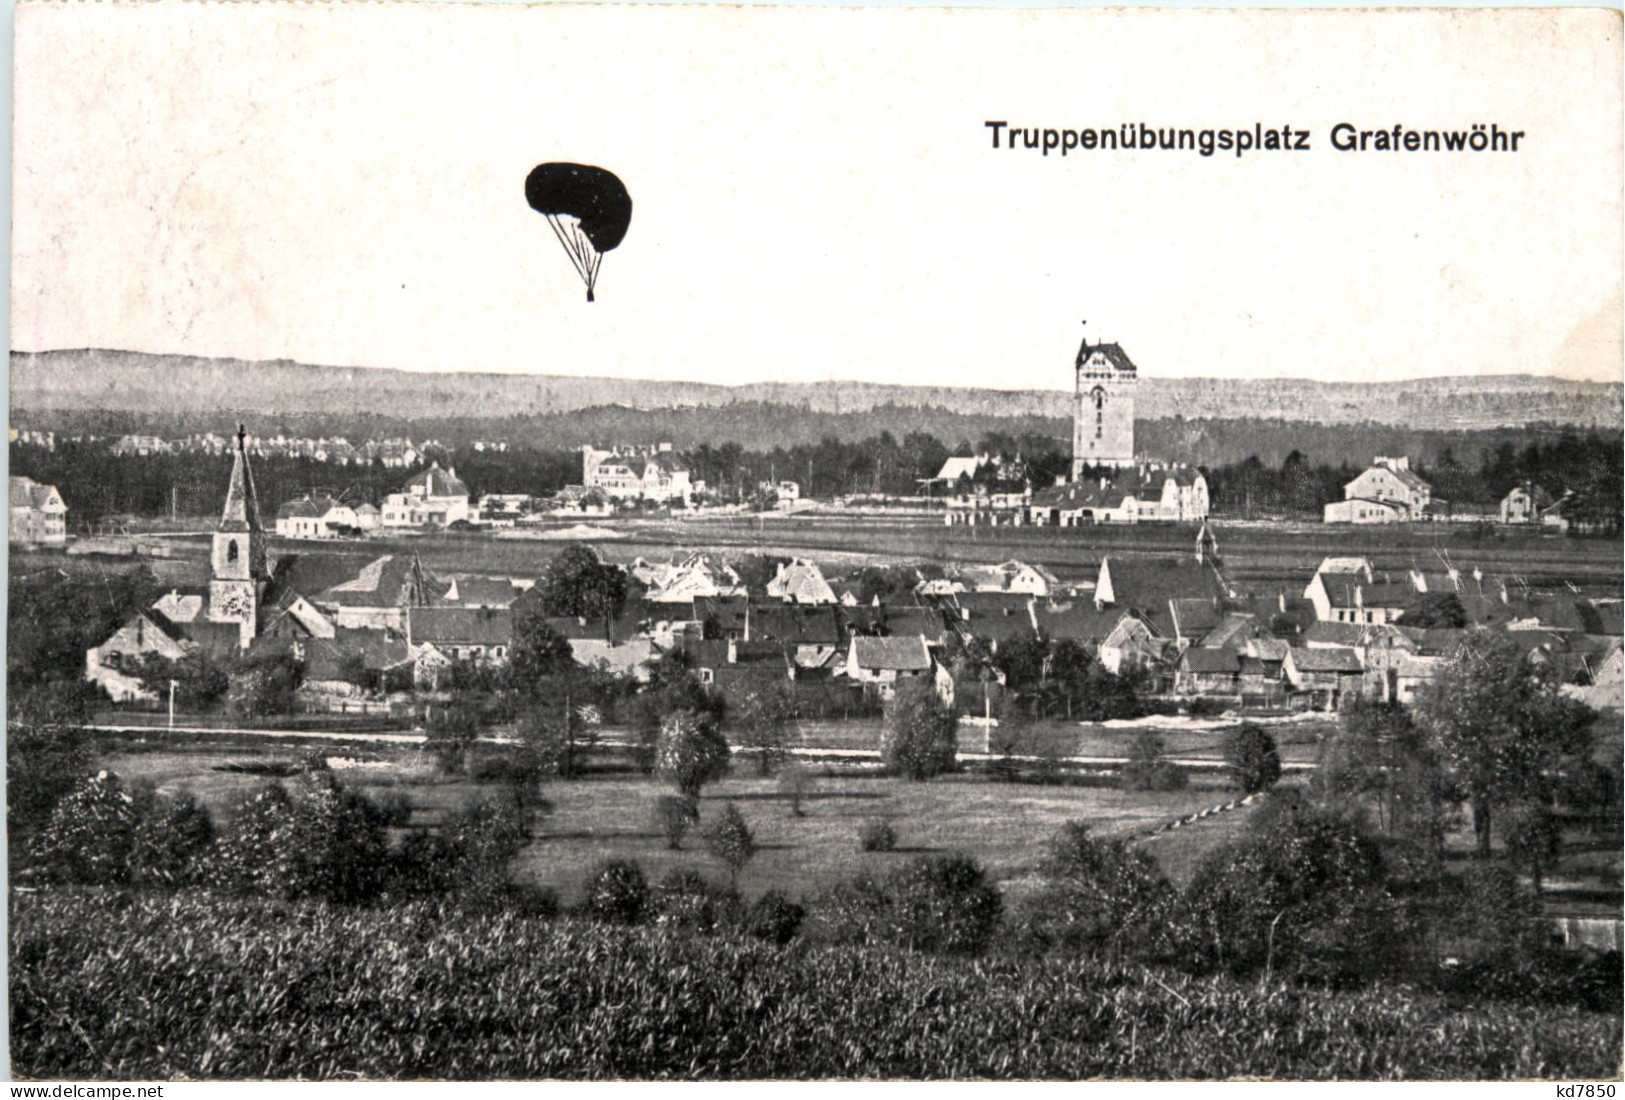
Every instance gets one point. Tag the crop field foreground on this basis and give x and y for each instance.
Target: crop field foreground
(148, 987)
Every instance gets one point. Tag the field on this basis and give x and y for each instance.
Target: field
(154, 987)
(1261, 557)
(1002, 825)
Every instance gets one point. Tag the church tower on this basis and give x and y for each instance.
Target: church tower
(1103, 407)
(239, 573)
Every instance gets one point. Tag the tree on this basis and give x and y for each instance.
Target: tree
(1376, 759)
(553, 729)
(730, 840)
(1147, 769)
(1501, 727)
(617, 892)
(920, 739)
(44, 762)
(1099, 894)
(760, 719)
(538, 653)
(795, 781)
(672, 688)
(172, 842)
(1249, 753)
(199, 682)
(579, 584)
(264, 682)
(1298, 888)
(691, 752)
(452, 728)
(91, 833)
(674, 814)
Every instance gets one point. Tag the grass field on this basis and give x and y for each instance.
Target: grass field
(1003, 825)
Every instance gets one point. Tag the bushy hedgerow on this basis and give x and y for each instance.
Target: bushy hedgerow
(617, 892)
(938, 904)
(876, 835)
(685, 900)
(1100, 897)
(774, 918)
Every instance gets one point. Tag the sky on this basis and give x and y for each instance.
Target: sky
(815, 192)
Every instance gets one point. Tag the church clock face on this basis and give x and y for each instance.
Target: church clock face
(234, 603)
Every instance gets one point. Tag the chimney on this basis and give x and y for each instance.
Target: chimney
(1280, 600)
(733, 652)
(1359, 597)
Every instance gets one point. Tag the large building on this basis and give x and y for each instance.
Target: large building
(433, 497)
(656, 475)
(1103, 407)
(38, 516)
(1385, 492)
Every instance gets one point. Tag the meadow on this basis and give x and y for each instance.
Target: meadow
(605, 815)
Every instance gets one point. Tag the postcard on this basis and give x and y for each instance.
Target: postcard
(644, 542)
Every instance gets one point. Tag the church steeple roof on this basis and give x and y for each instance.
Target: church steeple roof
(242, 512)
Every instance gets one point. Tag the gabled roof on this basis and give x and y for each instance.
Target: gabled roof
(28, 493)
(1079, 621)
(469, 590)
(895, 654)
(1149, 583)
(801, 581)
(1197, 659)
(436, 482)
(956, 466)
(1194, 617)
(179, 606)
(1325, 659)
(219, 641)
(1114, 354)
(583, 629)
(460, 626)
(390, 581)
(716, 654)
(1341, 591)
(1236, 629)
(795, 625)
(907, 620)
(1080, 495)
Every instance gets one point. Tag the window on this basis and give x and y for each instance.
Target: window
(705, 676)
(231, 551)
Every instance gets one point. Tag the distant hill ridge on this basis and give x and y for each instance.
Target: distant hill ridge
(141, 382)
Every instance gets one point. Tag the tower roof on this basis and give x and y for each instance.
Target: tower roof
(242, 512)
(1114, 354)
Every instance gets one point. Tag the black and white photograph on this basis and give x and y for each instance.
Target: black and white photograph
(638, 542)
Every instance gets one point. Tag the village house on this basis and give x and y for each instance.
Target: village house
(683, 581)
(1323, 676)
(1208, 672)
(432, 497)
(381, 593)
(881, 665)
(442, 636)
(1524, 503)
(801, 581)
(656, 474)
(38, 516)
(1386, 492)
(621, 649)
(318, 516)
(1123, 640)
